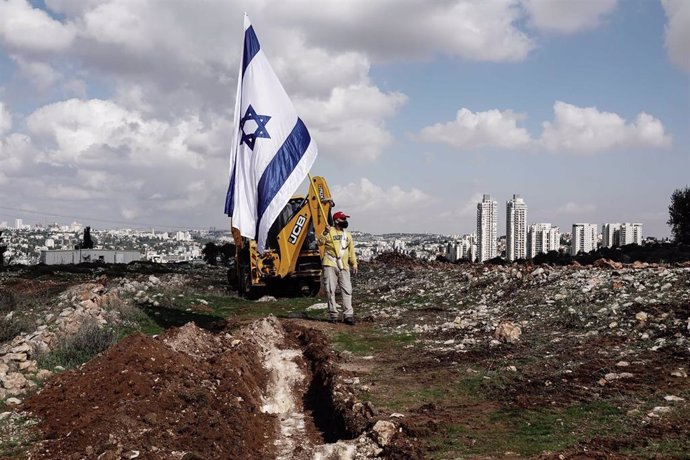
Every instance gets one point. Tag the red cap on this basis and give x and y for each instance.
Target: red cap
(340, 216)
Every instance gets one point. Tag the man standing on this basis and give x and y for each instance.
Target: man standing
(339, 258)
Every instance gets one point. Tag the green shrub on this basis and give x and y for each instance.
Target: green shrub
(71, 351)
(12, 327)
(7, 302)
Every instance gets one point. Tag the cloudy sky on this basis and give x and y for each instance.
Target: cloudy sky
(119, 112)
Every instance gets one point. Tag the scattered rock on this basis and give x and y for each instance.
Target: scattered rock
(383, 432)
(508, 332)
(267, 298)
(317, 306)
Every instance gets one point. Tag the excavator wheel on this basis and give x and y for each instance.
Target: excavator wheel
(245, 288)
(309, 289)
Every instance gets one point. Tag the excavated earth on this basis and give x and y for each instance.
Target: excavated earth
(266, 390)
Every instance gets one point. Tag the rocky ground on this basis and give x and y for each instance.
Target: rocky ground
(446, 361)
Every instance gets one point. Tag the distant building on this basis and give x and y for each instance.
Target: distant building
(584, 238)
(3, 225)
(630, 234)
(77, 256)
(610, 235)
(487, 223)
(516, 229)
(542, 238)
(18, 224)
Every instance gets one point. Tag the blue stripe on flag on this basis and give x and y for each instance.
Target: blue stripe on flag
(282, 165)
(251, 47)
(229, 198)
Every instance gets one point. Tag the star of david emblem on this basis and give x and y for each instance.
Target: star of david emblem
(260, 131)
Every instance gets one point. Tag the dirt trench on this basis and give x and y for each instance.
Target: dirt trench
(266, 390)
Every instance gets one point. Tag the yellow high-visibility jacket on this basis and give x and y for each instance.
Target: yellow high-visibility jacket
(344, 248)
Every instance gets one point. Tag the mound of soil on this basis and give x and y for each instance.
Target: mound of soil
(158, 399)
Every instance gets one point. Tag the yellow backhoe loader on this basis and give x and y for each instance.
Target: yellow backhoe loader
(292, 260)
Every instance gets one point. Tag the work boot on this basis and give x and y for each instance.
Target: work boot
(332, 320)
(350, 321)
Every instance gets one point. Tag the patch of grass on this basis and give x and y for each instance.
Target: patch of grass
(135, 320)
(12, 327)
(71, 351)
(529, 432)
(17, 434)
(369, 341)
(223, 306)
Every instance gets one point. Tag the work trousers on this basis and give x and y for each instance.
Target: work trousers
(332, 278)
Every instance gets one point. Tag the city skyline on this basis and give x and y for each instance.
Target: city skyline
(121, 111)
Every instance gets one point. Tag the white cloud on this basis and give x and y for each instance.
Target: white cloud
(5, 119)
(95, 151)
(568, 17)
(163, 59)
(101, 132)
(573, 209)
(350, 123)
(586, 130)
(40, 74)
(678, 32)
(466, 209)
(480, 129)
(29, 29)
(365, 200)
(478, 30)
(16, 153)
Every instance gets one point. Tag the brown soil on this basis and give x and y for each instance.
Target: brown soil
(189, 395)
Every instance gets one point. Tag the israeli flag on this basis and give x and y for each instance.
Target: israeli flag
(272, 151)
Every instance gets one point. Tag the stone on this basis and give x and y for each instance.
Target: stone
(508, 332)
(154, 280)
(15, 357)
(641, 316)
(537, 272)
(673, 398)
(614, 376)
(28, 366)
(13, 381)
(4, 368)
(659, 410)
(680, 372)
(267, 298)
(23, 348)
(43, 374)
(622, 364)
(13, 401)
(317, 306)
(383, 432)
(666, 287)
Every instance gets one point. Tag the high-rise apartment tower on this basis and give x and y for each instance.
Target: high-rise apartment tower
(487, 223)
(516, 228)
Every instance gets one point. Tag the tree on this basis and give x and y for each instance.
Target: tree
(679, 215)
(88, 241)
(227, 253)
(3, 249)
(210, 253)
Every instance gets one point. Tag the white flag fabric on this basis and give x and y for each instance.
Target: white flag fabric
(272, 151)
